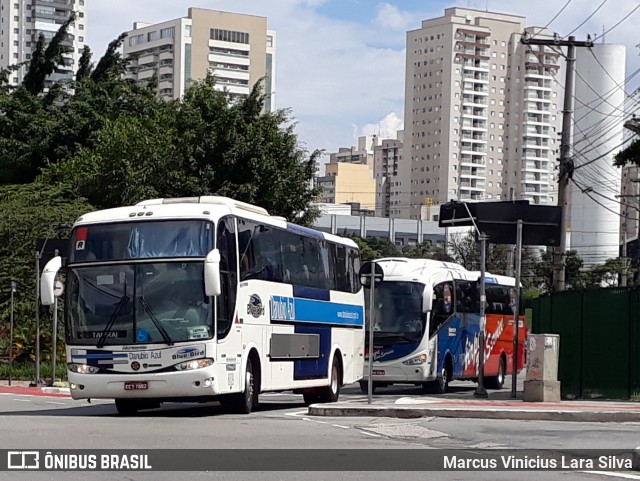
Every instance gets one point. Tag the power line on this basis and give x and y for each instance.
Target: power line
(586, 19)
(622, 20)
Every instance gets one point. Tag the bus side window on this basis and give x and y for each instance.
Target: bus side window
(442, 305)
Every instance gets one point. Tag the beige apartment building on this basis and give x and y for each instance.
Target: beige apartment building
(482, 113)
(237, 49)
(346, 182)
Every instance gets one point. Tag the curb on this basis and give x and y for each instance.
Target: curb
(516, 415)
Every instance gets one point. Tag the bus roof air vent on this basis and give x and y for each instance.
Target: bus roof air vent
(208, 199)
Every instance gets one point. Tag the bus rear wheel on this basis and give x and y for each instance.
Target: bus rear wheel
(331, 393)
(497, 381)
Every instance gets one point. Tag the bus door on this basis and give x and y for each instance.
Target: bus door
(228, 343)
(443, 325)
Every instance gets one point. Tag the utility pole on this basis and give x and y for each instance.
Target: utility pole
(566, 161)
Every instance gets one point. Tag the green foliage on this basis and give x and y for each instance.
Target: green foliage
(26, 371)
(85, 66)
(629, 155)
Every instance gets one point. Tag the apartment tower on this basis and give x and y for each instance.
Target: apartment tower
(481, 113)
(23, 21)
(237, 49)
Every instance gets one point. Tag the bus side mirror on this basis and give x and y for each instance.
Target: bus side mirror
(212, 274)
(427, 300)
(48, 280)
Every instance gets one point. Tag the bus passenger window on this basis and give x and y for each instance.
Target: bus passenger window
(442, 305)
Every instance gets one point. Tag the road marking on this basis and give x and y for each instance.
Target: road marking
(54, 402)
(23, 400)
(275, 394)
(297, 413)
(614, 474)
(371, 434)
(340, 426)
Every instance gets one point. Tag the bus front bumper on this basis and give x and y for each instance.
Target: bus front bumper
(167, 385)
(401, 374)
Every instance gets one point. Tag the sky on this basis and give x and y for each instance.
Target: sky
(341, 63)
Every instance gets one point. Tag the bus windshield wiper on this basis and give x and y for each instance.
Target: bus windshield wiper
(163, 332)
(116, 312)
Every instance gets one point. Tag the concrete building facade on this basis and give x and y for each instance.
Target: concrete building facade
(23, 21)
(386, 159)
(481, 113)
(345, 183)
(237, 49)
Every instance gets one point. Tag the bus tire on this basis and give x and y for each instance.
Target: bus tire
(310, 397)
(496, 382)
(441, 384)
(126, 407)
(331, 393)
(364, 387)
(247, 400)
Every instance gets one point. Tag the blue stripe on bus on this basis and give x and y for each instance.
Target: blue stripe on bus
(316, 368)
(305, 231)
(311, 293)
(291, 309)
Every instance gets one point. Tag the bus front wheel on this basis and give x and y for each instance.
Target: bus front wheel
(364, 387)
(126, 407)
(248, 400)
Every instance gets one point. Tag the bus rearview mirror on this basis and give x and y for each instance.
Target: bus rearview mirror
(48, 281)
(427, 300)
(212, 285)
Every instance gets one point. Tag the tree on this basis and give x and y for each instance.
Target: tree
(45, 58)
(543, 271)
(206, 144)
(85, 66)
(629, 155)
(27, 212)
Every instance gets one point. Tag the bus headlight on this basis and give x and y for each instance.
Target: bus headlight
(82, 368)
(414, 361)
(195, 364)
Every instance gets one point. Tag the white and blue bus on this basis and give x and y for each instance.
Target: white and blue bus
(427, 323)
(199, 299)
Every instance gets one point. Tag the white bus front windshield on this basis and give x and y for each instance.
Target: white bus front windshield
(158, 302)
(397, 313)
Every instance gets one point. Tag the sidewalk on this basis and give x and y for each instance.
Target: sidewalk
(22, 388)
(493, 408)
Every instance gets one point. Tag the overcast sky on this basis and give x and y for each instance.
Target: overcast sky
(340, 63)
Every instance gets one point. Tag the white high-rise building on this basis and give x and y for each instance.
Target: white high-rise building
(22, 22)
(481, 113)
(237, 49)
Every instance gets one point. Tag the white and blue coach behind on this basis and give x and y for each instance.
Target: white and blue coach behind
(207, 298)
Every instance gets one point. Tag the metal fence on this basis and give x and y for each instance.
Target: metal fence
(599, 340)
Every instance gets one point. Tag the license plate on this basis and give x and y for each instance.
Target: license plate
(378, 372)
(136, 385)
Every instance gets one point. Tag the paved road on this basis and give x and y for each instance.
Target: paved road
(282, 423)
